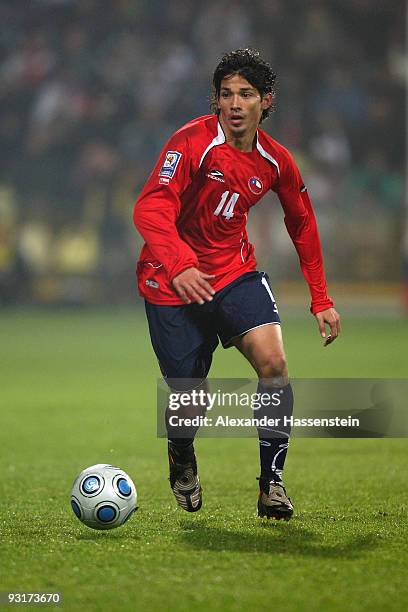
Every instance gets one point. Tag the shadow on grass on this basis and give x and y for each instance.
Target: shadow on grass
(286, 538)
(114, 534)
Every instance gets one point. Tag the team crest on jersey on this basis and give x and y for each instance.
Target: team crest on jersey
(255, 185)
(169, 166)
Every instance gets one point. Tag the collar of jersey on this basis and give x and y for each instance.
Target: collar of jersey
(253, 150)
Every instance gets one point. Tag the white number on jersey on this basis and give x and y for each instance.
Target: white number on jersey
(228, 211)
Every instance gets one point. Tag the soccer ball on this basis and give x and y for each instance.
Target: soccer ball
(103, 496)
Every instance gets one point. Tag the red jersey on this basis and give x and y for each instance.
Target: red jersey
(194, 208)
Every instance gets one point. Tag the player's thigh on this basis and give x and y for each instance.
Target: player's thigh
(263, 348)
(182, 340)
(246, 304)
(249, 320)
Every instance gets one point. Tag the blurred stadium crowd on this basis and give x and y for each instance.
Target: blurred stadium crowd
(90, 91)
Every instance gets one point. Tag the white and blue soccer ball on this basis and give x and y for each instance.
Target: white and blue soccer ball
(103, 496)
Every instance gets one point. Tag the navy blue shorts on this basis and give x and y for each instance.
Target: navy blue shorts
(184, 337)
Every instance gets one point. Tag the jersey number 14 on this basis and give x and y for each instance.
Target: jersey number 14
(227, 208)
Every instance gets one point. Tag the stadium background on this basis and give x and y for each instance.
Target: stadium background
(88, 97)
(89, 92)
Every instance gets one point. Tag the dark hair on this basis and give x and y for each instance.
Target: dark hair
(249, 64)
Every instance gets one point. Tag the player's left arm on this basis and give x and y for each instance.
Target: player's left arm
(331, 318)
(301, 224)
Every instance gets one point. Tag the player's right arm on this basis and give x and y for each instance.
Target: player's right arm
(155, 215)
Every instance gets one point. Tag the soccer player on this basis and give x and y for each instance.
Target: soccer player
(197, 269)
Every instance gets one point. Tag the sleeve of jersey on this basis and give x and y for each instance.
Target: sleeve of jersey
(158, 207)
(301, 225)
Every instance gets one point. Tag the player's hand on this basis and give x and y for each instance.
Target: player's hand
(193, 286)
(331, 318)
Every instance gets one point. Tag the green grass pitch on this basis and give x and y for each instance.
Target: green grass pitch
(78, 388)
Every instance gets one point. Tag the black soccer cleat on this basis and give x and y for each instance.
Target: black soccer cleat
(184, 480)
(273, 501)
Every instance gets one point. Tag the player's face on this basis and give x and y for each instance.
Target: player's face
(240, 105)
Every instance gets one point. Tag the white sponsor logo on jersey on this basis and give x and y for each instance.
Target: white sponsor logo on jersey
(216, 175)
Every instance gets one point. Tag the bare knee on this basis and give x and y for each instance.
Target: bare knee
(274, 369)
